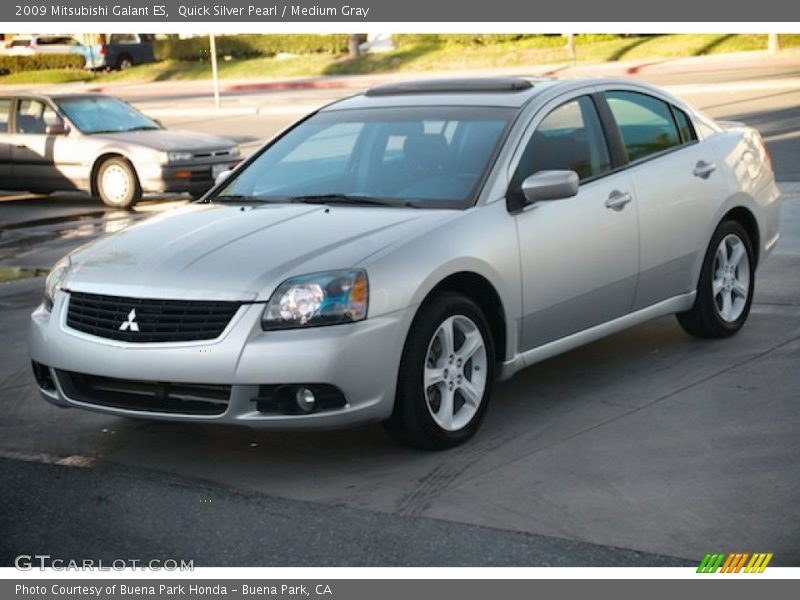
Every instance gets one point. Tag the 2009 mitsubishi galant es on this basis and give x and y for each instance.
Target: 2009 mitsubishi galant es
(390, 256)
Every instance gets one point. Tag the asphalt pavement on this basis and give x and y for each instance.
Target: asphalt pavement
(646, 448)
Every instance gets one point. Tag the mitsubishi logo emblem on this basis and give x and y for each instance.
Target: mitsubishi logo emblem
(131, 322)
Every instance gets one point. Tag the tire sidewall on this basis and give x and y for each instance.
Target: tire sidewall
(706, 281)
(410, 402)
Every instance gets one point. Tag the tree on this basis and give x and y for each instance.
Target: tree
(353, 43)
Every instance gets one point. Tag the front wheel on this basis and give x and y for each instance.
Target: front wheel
(117, 184)
(446, 375)
(725, 289)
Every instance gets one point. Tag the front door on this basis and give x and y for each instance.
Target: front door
(579, 255)
(33, 152)
(5, 144)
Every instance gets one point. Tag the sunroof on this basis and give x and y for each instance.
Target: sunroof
(452, 86)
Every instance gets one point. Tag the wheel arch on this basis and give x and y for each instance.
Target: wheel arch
(480, 290)
(745, 217)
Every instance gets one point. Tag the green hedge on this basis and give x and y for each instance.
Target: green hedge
(40, 62)
(485, 39)
(250, 46)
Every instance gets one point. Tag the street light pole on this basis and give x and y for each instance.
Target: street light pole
(214, 71)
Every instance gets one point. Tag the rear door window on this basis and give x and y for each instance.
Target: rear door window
(645, 122)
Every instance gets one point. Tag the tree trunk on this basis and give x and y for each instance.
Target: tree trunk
(353, 44)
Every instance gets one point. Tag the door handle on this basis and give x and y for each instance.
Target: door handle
(617, 200)
(703, 169)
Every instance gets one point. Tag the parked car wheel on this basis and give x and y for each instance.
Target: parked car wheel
(725, 289)
(446, 375)
(117, 184)
(124, 63)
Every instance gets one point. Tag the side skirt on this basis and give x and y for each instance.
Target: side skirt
(530, 357)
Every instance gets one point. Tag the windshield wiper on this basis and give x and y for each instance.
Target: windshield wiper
(242, 198)
(142, 128)
(342, 199)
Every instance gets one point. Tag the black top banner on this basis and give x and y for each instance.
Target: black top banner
(367, 11)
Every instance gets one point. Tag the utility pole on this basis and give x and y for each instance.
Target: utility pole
(570, 46)
(214, 71)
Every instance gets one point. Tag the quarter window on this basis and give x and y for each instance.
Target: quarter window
(646, 123)
(569, 138)
(684, 125)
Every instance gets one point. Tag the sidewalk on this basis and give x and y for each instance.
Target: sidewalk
(641, 68)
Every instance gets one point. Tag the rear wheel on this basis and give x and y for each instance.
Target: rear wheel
(117, 184)
(725, 289)
(124, 62)
(446, 375)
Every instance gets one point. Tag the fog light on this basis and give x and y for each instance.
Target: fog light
(305, 399)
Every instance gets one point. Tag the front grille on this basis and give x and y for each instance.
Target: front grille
(150, 396)
(142, 320)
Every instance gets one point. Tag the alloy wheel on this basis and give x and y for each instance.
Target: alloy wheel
(455, 373)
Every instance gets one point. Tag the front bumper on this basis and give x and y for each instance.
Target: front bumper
(191, 177)
(360, 359)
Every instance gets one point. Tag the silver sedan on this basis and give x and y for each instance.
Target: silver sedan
(391, 256)
(101, 145)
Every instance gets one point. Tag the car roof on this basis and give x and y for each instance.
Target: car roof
(44, 95)
(511, 92)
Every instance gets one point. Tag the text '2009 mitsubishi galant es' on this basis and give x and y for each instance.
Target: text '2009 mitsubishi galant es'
(391, 256)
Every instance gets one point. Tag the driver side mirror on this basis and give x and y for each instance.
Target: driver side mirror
(550, 185)
(57, 128)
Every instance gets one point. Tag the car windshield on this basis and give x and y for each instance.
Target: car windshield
(422, 156)
(103, 114)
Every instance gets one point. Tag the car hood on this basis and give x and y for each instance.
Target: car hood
(168, 140)
(241, 252)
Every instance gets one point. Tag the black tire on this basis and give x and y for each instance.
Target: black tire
(704, 320)
(132, 192)
(124, 63)
(412, 423)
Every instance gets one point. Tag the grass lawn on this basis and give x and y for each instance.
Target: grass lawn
(429, 56)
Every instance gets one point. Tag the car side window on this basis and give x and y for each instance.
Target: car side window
(569, 138)
(684, 125)
(645, 123)
(5, 106)
(124, 38)
(33, 117)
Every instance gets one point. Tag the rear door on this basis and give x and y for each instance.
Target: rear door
(677, 188)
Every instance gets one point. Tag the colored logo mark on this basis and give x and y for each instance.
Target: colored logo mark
(735, 563)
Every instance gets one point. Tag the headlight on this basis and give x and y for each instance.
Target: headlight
(318, 299)
(179, 156)
(235, 151)
(54, 280)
